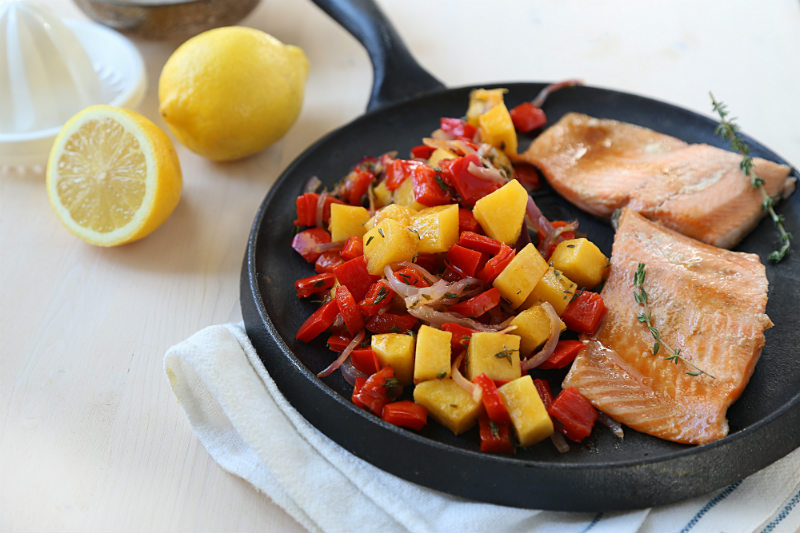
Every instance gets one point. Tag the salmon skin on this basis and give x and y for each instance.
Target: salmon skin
(707, 302)
(698, 190)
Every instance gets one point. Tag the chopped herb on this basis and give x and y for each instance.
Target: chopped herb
(405, 277)
(426, 296)
(494, 428)
(396, 329)
(319, 283)
(381, 233)
(454, 405)
(369, 240)
(576, 295)
(440, 182)
(646, 318)
(414, 259)
(505, 354)
(570, 246)
(450, 295)
(442, 374)
(391, 385)
(382, 293)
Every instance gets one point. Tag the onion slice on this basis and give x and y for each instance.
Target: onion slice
(474, 390)
(536, 218)
(544, 93)
(321, 208)
(547, 350)
(437, 318)
(491, 174)
(343, 356)
(554, 237)
(559, 442)
(613, 425)
(430, 278)
(312, 184)
(350, 372)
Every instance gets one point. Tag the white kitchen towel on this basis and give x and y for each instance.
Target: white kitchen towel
(250, 429)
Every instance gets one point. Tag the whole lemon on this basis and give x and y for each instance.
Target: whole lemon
(230, 92)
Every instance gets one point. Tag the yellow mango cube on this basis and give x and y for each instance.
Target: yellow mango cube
(582, 262)
(383, 196)
(554, 287)
(432, 354)
(528, 415)
(347, 221)
(438, 155)
(501, 212)
(437, 228)
(400, 213)
(397, 350)
(518, 279)
(448, 404)
(533, 328)
(493, 354)
(481, 101)
(404, 195)
(497, 129)
(388, 242)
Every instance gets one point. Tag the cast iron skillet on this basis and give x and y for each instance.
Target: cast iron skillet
(603, 473)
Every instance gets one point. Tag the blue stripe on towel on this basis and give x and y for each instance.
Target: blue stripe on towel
(707, 507)
(783, 514)
(593, 523)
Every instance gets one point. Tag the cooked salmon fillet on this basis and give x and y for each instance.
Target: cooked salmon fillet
(707, 302)
(601, 165)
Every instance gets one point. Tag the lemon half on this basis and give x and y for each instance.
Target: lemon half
(113, 176)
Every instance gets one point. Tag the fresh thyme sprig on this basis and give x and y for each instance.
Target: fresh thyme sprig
(729, 131)
(646, 317)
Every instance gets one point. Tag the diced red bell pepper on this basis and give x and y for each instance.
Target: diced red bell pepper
(337, 343)
(467, 221)
(356, 186)
(527, 175)
(429, 188)
(358, 386)
(406, 414)
(478, 305)
(306, 242)
(400, 169)
(411, 276)
(349, 309)
(470, 188)
(378, 297)
(378, 389)
(327, 261)
(492, 402)
(365, 360)
(353, 247)
(527, 117)
(585, 312)
(306, 205)
(422, 151)
(318, 322)
(305, 287)
(543, 388)
(430, 262)
(480, 243)
(563, 355)
(495, 438)
(459, 128)
(391, 323)
(496, 264)
(575, 413)
(463, 260)
(353, 274)
(461, 335)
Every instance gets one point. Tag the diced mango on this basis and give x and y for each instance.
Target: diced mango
(518, 279)
(481, 101)
(404, 195)
(497, 129)
(554, 287)
(432, 355)
(493, 354)
(388, 242)
(448, 404)
(439, 154)
(397, 350)
(400, 213)
(437, 228)
(582, 262)
(501, 213)
(383, 196)
(526, 409)
(347, 221)
(533, 328)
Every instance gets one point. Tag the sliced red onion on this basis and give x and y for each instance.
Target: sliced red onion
(437, 318)
(473, 390)
(403, 289)
(491, 174)
(536, 218)
(544, 93)
(328, 246)
(554, 237)
(350, 372)
(547, 350)
(312, 184)
(442, 135)
(321, 208)
(613, 425)
(343, 356)
(559, 442)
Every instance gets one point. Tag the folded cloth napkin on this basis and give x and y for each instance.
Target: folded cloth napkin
(250, 429)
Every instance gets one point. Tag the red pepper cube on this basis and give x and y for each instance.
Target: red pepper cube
(480, 243)
(527, 175)
(353, 247)
(378, 389)
(306, 206)
(327, 261)
(467, 221)
(353, 274)
(306, 243)
(349, 310)
(458, 128)
(585, 313)
(422, 151)
(365, 360)
(406, 414)
(356, 186)
(496, 264)
(378, 297)
(429, 188)
(495, 438)
(391, 323)
(543, 388)
(305, 287)
(358, 386)
(461, 336)
(463, 260)
(477, 305)
(492, 401)
(469, 187)
(563, 355)
(318, 322)
(337, 343)
(527, 117)
(576, 414)
(411, 276)
(401, 169)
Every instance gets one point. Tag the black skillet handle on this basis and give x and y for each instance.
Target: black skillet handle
(396, 74)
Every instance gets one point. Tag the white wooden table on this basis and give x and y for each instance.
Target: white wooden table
(91, 437)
